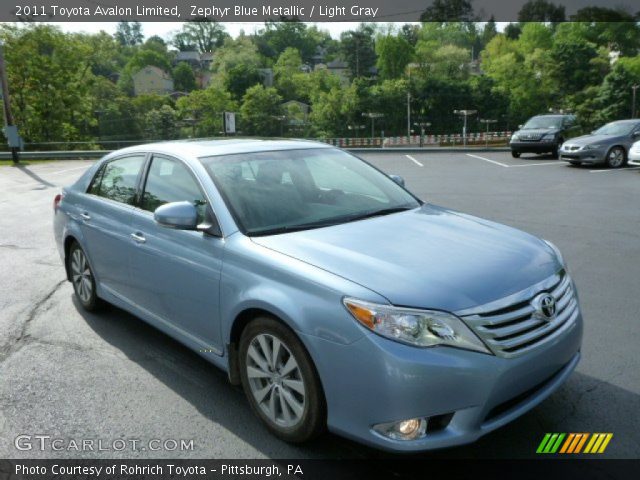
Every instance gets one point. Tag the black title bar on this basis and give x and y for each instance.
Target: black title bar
(312, 10)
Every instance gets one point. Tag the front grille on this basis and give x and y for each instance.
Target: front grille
(518, 327)
(530, 137)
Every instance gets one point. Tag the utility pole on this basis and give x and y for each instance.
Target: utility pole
(408, 115)
(11, 131)
(633, 102)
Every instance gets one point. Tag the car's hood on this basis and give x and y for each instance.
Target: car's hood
(429, 257)
(597, 139)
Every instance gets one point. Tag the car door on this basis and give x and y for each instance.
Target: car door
(105, 217)
(176, 273)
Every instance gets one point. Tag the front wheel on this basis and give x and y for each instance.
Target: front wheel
(616, 157)
(280, 381)
(84, 284)
(515, 154)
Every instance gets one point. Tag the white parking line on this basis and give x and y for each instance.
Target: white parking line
(414, 160)
(487, 160)
(558, 162)
(613, 170)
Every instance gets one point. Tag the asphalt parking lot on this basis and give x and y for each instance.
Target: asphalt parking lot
(73, 375)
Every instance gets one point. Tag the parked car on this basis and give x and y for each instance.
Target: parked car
(543, 134)
(608, 145)
(634, 154)
(330, 292)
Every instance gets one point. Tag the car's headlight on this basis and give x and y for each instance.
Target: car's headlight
(557, 252)
(515, 137)
(420, 328)
(549, 136)
(593, 146)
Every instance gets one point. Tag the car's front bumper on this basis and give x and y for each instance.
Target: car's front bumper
(584, 156)
(381, 381)
(540, 146)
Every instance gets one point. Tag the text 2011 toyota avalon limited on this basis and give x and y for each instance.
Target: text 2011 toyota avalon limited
(332, 294)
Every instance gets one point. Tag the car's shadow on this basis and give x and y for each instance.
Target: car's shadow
(534, 156)
(583, 404)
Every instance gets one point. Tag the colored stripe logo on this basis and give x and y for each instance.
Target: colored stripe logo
(574, 443)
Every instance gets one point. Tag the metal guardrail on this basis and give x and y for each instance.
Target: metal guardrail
(94, 154)
(58, 155)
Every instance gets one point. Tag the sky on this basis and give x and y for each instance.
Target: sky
(167, 29)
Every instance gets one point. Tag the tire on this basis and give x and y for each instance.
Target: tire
(616, 157)
(515, 154)
(290, 404)
(575, 164)
(82, 279)
(555, 153)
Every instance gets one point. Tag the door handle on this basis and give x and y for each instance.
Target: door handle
(138, 237)
(85, 216)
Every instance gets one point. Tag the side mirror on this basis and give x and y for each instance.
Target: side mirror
(635, 134)
(593, 132)
(520, 126)
(398, 179)
(178, 215)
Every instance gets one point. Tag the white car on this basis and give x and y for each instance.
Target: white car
(634, 154)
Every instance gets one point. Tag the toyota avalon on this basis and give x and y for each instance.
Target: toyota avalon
(331, 293)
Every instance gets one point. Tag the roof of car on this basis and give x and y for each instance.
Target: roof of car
(209, 147)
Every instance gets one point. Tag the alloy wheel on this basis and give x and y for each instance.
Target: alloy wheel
(81, 276)
(275, 380)
(616, 158)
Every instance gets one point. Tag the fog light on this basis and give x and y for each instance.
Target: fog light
(410, 429)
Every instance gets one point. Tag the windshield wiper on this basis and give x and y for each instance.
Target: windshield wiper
(293, 228)
(379, 213)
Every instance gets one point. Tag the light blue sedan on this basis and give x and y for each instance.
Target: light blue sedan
(335, 297)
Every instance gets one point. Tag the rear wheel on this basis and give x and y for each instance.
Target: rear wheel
(616, 157)
(515, 154)
(280, 381)
(84, 284)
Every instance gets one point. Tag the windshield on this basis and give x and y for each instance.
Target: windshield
(288, 190)
(616, 128)
(543, 122)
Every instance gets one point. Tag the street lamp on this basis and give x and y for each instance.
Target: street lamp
(356, 128)
(422, 126)
(465, 114)
(487, 121)
(372, 116)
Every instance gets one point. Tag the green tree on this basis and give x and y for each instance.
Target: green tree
(286, 73)
(448, 11)
(203, 110)
(161, 123)
(202, 33)
(129, 33)
(358, 49)
(259, 107)
(394, 54)
(239, 78)
(615, 95)
(51, 79)
(541, 11)
(184, 79)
